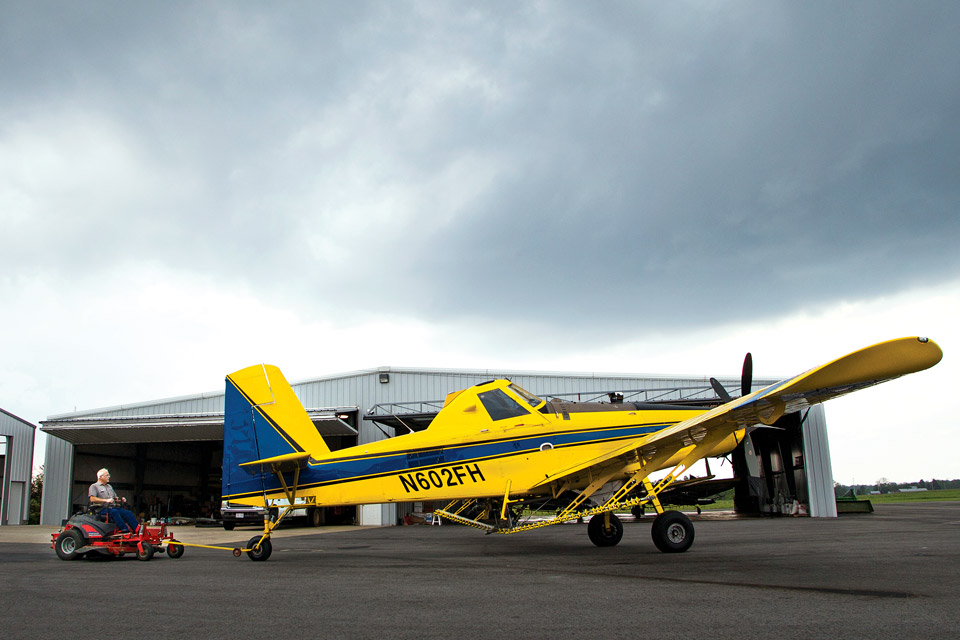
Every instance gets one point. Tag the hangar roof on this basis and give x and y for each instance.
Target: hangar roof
(200, 416)
(169, 428)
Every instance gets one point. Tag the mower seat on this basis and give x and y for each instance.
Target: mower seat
(89, 523)
(105, 528)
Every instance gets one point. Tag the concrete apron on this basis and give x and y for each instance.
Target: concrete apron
(184, 533)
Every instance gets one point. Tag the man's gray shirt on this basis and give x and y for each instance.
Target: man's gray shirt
(104, 491)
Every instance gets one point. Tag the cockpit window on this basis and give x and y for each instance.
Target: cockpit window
(500, 406)
(528, 397)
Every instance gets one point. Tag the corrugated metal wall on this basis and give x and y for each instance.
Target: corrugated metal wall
(57, 480)
(18, 462)
(200, 403)
(408, 385)
(816, 456)
(363, 389)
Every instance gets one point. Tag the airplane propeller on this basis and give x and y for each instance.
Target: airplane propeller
(746, 375)
(746, 381)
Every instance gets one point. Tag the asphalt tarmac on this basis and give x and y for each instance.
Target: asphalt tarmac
(892, 574)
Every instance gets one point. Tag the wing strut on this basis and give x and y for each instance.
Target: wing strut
(617, 501)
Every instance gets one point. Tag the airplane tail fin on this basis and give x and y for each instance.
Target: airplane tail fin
(263, 419)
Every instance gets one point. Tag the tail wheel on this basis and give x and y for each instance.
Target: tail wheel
(672, 532)
(174, 550)
(260, 550)
(603, 535)
(144, 551)
(68, 543)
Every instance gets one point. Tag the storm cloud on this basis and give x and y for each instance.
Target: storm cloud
(448, 161)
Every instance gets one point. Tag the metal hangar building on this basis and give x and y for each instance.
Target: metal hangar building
(16, 459)
(166, 454)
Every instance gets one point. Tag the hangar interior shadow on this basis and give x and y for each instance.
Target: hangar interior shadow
(771, 469)
(169, 479)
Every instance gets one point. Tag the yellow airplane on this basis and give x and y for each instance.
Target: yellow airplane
(495, 449)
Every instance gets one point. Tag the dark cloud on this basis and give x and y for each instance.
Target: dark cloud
(621, 166)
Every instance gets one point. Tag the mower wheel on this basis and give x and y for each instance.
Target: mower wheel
(174, 550)
(67, 544)
(146, 553)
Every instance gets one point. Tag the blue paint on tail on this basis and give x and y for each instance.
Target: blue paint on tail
(247, 436)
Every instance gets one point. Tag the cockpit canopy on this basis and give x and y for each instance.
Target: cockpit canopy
(501, 405)
(472, 410)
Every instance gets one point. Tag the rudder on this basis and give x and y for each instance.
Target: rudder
(263, 418)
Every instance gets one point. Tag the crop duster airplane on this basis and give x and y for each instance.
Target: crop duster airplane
(495, 449)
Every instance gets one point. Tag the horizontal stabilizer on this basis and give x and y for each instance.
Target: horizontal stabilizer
(287, 462)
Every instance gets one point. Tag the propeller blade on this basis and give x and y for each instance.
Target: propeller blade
(746, 378)
(720, 390)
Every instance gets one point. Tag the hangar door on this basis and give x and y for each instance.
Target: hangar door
(160, 479)
(168, 469)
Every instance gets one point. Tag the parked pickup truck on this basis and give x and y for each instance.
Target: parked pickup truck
(234, 514)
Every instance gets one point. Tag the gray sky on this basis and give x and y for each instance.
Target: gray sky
(632, 187)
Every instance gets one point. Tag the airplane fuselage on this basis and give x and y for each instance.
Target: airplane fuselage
(448, 461)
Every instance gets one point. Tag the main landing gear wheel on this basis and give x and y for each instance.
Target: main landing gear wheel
(604, 536)
(259, 552)
(67, 544)
(144, 551)
(672, 532)
(174, 550)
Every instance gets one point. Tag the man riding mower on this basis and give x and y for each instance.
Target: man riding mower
(92, 531)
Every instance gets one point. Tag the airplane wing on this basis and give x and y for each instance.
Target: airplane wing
(857, 370)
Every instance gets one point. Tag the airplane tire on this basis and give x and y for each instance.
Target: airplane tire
(67, 544)
(261, 552)
(672, 532)
(601, 536)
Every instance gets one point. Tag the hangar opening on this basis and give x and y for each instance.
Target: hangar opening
(171, 465)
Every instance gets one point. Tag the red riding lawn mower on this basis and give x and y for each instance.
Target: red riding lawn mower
(90, 532)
